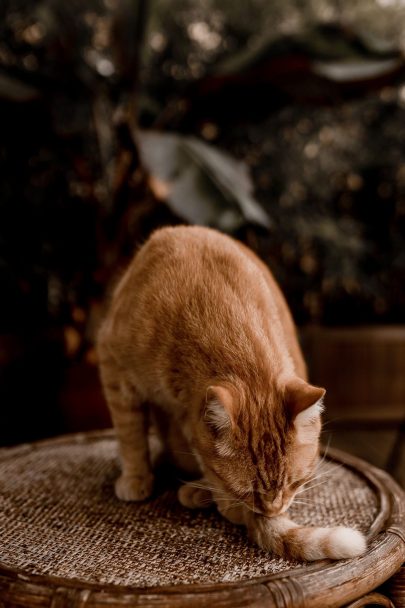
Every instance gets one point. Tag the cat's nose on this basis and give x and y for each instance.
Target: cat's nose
(276, 506)
(278, 502)
(287, 503)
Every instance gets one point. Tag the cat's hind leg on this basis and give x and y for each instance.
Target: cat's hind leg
(195, 495)
(130, 419)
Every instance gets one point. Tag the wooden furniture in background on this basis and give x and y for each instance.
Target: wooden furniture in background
(362, 369)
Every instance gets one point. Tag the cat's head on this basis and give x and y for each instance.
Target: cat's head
(256, 452)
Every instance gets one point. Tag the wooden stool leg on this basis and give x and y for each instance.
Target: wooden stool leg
(372, 599)
(395, 588)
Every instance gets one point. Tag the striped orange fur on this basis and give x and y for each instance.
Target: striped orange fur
(199, 342)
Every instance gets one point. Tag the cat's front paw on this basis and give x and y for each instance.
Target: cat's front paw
(134, 487)
(234, 514)
(194, 497)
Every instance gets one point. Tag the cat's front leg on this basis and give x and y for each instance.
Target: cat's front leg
(233, 511)
(130, 420)
(195, 494)
(287, 539)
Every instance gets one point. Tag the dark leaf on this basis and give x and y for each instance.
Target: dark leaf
(200, 183)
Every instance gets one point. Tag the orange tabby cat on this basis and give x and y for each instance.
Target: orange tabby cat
(199, 341)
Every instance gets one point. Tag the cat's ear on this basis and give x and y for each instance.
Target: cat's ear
(219, 411)
(303, 401)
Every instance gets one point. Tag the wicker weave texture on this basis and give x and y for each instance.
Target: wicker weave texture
(59, 517)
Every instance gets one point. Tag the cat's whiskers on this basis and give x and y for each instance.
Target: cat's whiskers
(312, 487)
(235, 503)
(325, 453)
(209, 489)
(330, 472)
(229, 504)
(207, 501)
(200, 486)
(313, 481)
(302, 502)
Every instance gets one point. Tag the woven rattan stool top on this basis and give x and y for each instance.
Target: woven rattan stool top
(65, 540)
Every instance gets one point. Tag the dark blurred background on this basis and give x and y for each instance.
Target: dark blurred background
(280, 122)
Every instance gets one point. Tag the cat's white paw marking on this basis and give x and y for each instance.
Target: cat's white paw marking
(134, 487)
(346, 542)
(194, 498)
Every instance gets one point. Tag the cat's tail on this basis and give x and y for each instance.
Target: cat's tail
(288, 539)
